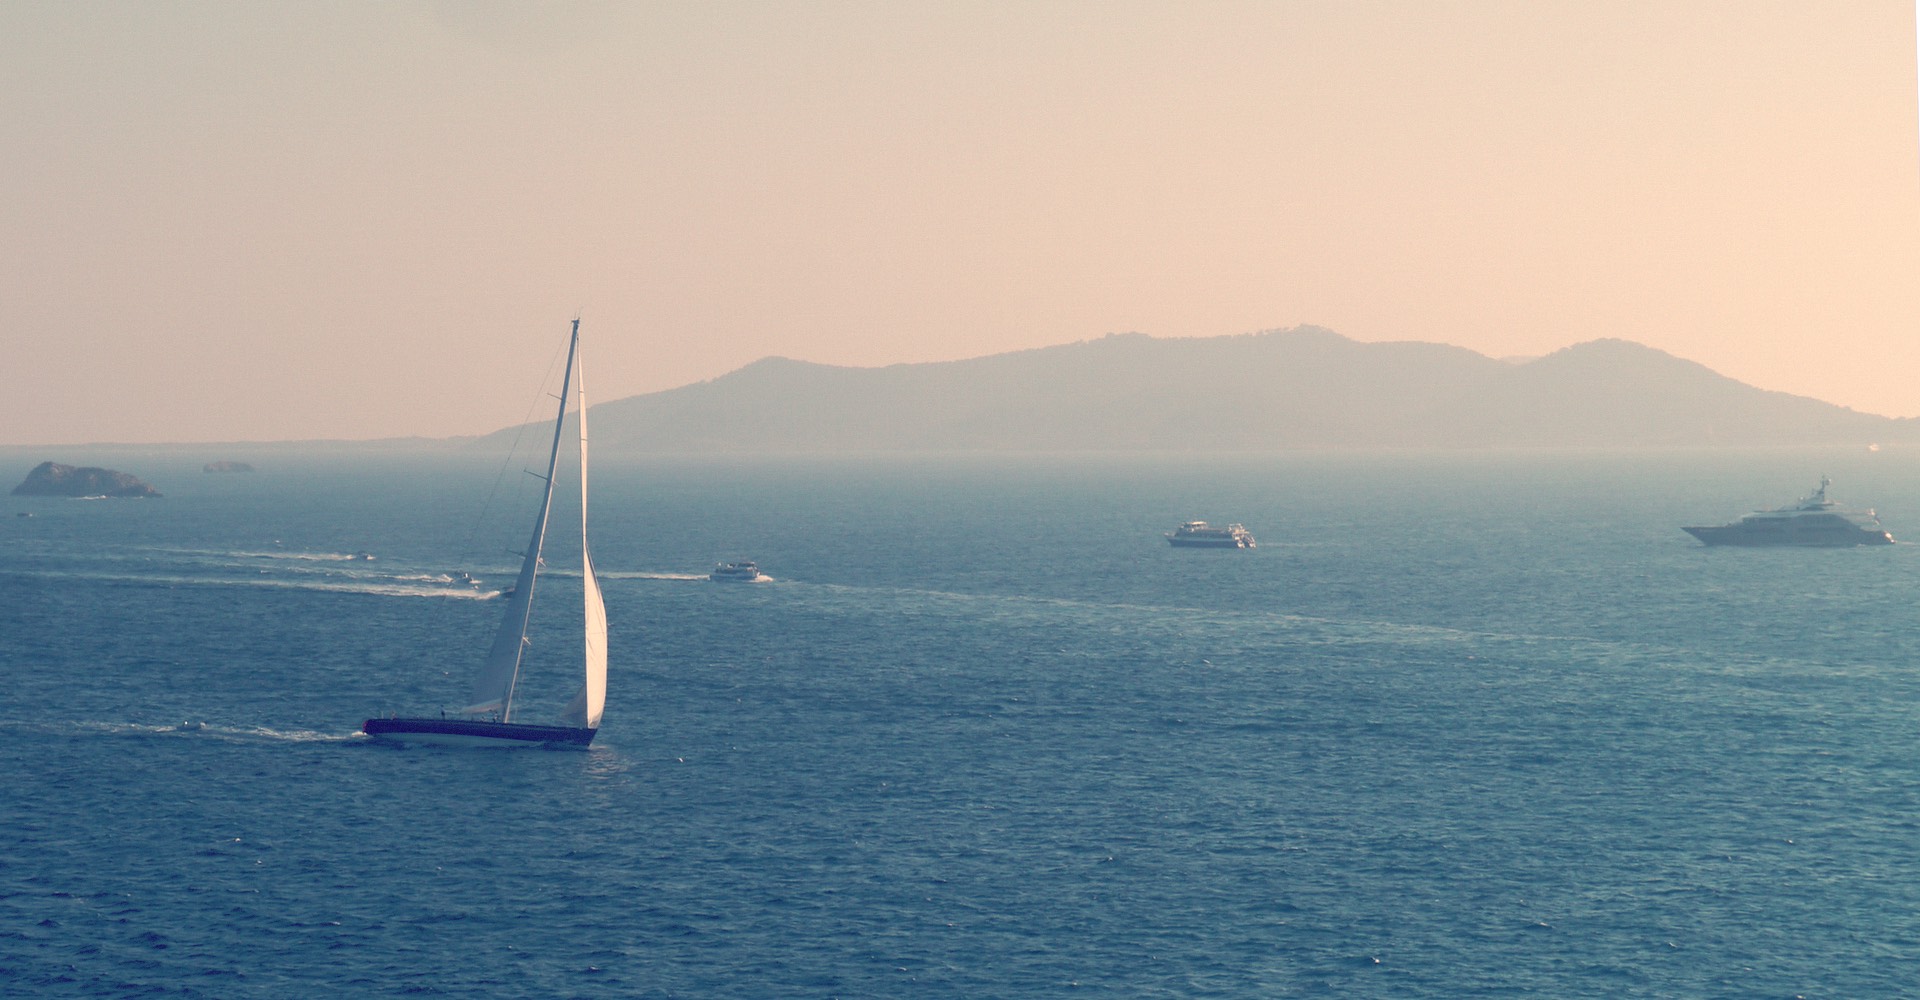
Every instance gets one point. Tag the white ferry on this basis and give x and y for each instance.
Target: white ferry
(1200, 534)
(743, 571)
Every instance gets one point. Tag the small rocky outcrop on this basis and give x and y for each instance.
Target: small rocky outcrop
(225, 466)
(51, 479)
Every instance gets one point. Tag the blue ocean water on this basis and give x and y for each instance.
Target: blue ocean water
(1461, 726)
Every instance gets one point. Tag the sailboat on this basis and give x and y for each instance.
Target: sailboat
(489, 719)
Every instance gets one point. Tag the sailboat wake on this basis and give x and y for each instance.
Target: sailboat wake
(193, 729)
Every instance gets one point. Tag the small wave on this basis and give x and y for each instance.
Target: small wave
(651, 576)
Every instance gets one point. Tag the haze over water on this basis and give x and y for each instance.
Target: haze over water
(1475, 727)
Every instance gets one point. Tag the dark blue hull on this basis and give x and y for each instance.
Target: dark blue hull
(465, 732)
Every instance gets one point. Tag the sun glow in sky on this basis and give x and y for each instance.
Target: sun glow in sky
(254, 221)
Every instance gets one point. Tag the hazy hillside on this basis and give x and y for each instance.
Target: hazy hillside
(1300, 388)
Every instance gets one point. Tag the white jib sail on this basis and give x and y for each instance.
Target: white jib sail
(592, 699)
(586, 707)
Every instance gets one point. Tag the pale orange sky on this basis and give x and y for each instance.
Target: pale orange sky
(254, 221)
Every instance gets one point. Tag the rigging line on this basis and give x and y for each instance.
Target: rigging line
(516, 451)
(531, 572)
(506, 460)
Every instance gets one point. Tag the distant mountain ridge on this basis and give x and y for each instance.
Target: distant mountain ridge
(1303, 388)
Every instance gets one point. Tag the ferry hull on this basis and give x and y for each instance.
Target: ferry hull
(1201, 535)
(469, 733)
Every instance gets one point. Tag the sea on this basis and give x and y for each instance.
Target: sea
(1462, 725)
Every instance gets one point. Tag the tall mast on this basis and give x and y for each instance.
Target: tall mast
(510, 642)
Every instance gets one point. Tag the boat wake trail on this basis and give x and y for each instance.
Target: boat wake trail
(378, 586)
(184, 730)
(254, 734)
(277, 554)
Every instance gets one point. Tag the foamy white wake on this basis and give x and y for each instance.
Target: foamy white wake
(376, 586)
(198, 730)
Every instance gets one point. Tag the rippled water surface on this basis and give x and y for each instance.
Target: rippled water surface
(1458, 727)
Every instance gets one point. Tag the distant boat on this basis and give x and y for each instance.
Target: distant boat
(1814, 521)
(743, 571)
(1200, 534)
(488, 721)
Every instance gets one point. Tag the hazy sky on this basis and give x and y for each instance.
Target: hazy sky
(260, 221)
